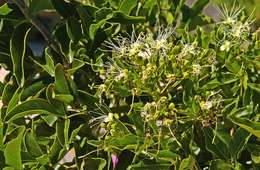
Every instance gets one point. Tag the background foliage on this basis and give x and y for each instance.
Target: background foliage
(192, 105)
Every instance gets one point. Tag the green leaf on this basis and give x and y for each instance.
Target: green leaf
(66, 98)
(95, 163)
(88, 99)
(127, 6)
(55, 150)
(49, 67)
(61, 85)
(8, 92)
(63, 39)
(74, 133)
(219, 164)
(149, 6)
(12, 151)
(233, 66)
(254, 149)
(167, 156)
(32, 145)
(198, 6)
(76, 64)
(1, 136)
(63, 8)
(59, 106)
(94, 28)
(8, 168)
(32, 90)
(102, 13)
(238, 142)
(15, 99)
(1, 88)
(74, 29)
(188, 164)
(228, 78)
(29, 107)
(254, 86)
(49, 119)
(211, 84)
(217, 146)
(120, 17)
(18, 49)
(85, 13)
(39, 5)
(249, 125)
(4, 9)
(60, 127)
(66, 133)
(125, 140)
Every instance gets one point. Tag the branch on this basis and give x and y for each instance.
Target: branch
(41, 28)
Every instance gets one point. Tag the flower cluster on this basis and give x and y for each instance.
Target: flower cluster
(155, 66)
(233, 28)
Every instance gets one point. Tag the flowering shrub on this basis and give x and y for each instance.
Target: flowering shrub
(129, 85)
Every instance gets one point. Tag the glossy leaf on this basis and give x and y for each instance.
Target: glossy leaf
(4, 9)
(127, 6)
(220, 164)
(249, 125)
(238, 142)
(120, 17)
(18, 50)
(40, 5)
(49, 66)
(30, 107)
(15, 99)
(254, 86)
(60, 80)
(187, 163)
(63, 8)
(74, 29)
(217, 147)
(32, 145)
(13, 149)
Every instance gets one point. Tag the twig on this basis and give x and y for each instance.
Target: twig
(41, 28)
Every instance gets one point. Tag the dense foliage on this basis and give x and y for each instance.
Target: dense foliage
(128, 84)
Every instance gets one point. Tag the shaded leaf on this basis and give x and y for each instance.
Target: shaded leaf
(188, 164)
(218, 147)
(249, 125)
(12, 151)
(74, 29)
(64, 9)
(120, 17)
(49, 66)
(39, 5)
(127, 6)
(219, 164)
(61, 84)
(32, 145)
(29, 107)
(18, 49)
(238, 142)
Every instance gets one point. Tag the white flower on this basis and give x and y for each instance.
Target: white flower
(188, 48)
(120, 46)
(208, 105)
(109, 117)
(225, 46)
(240, 30)
(230, 16)
(121, 74)
(196, 68)
(135, 48)
(163, 34)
